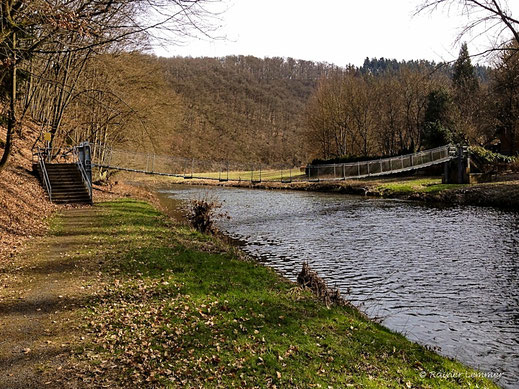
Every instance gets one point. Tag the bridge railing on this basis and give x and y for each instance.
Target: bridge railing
(379, 167)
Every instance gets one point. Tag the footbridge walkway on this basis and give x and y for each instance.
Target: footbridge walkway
(107, 158)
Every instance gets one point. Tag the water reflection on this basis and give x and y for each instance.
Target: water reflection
(445, 277)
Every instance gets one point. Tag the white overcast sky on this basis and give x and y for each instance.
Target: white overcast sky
(334, 31)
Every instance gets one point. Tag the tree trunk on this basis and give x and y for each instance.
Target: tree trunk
(11, 116)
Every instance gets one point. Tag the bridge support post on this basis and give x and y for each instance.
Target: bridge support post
(457, 170)
(85, 158)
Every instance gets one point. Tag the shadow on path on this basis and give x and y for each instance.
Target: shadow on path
(41, 293)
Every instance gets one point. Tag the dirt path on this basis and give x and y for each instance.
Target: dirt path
(41, 292)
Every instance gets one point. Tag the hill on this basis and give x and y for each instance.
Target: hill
(251, 108)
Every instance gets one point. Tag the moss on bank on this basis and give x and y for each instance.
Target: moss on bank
(180, 308)
(404, 187)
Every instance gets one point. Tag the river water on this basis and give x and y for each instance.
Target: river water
(446, 277)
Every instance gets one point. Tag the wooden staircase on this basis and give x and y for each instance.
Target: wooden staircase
(66, 182)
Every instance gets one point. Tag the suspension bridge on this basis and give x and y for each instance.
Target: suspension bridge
(112, 159)
(87, 156)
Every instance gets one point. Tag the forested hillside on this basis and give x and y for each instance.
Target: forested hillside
(243, 108)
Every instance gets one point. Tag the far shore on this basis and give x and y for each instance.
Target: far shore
(501, 194)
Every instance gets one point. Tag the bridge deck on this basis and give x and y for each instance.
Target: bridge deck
(165, 166)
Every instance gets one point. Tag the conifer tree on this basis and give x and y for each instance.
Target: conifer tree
(466, 96)
(464, 77)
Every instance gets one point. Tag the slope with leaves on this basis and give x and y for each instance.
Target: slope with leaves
(23, 204)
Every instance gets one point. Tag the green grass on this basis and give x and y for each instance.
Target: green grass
(181, 309)
(422, 185)
(248, 175)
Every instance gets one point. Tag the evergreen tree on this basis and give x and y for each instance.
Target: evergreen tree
(437, 125)
(464, 77)
(466, 96)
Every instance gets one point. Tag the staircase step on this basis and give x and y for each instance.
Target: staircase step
(65, 198)
(63, 172)
(75, 171)
(72, 201)
(67, 182)
(68, 185)
(51, 174)
(71, 191)
(65, 178)
(69, 196)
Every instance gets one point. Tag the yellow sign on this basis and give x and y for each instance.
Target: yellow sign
(47, 136)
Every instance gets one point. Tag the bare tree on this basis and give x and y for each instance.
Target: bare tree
(36, 28)
(492, 18)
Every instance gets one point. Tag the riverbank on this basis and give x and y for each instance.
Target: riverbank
(503, 194)
(122, 296)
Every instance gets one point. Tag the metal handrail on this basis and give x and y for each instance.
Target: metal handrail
(382, 166)
(382, 160)
(44, 173)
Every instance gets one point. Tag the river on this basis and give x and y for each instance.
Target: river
(446, 277)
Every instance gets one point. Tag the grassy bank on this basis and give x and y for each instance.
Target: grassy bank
(179, 308)
(403, 187)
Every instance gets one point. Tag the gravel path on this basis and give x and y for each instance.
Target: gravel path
(41, 291)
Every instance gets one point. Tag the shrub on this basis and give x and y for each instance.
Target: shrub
(490, 157)
(308, 278)
(202, 214)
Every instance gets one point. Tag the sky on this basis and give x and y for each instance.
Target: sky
(341, 32)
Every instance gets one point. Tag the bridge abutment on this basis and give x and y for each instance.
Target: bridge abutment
(457, 170)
